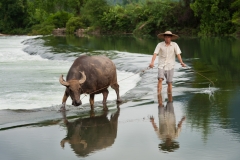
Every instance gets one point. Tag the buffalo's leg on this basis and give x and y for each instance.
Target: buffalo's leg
(92, 113)
(63, 142)
(114, 116)
(64, 117)
(116, 88)
(91, 100)
(64, 99)
(66, 123)
(105, 95)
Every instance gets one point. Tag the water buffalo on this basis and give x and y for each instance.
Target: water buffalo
(91, 75)
(86, 135)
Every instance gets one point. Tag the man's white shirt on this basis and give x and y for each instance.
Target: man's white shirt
(166, 55)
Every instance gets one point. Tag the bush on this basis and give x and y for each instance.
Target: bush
(116, 19)
(59, 19)
(220, 21)
(93, 11)
(42, 29)
(18, 31)
(143, 28)
(74, 23)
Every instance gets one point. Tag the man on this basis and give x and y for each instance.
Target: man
(166, 51)
(167, 130)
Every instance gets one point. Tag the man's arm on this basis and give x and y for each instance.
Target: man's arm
(179, 126)
(180, 60)
(153, 59)
(153, 123)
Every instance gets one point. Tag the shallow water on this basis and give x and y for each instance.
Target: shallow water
(31, 95)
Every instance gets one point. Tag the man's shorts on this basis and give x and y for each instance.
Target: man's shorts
(165, 73)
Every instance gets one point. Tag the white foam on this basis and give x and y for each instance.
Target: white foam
(29, 81)
(40, 95)
(11, 49)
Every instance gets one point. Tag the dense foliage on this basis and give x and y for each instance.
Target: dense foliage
(215, 16)
(236, 15)
(143, 17)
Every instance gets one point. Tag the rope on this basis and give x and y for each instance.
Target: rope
(202, 76)
(211, 82)
(115, 82)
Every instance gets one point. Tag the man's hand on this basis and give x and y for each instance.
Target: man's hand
(183, 65)
(180, 123)
(151, 119)
(151, 65)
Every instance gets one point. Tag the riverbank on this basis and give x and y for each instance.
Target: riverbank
(186, 32)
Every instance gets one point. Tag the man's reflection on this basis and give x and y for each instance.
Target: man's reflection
(91, 134)
(167, 131)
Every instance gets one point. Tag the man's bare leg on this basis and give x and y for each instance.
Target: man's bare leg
(170, 99)
(160, 101)
(160, 85)
(169, 89)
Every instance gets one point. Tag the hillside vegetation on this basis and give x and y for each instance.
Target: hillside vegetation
(140, 17)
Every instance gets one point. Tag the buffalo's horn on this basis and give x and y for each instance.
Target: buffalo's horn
(63, 82)
(83, 79)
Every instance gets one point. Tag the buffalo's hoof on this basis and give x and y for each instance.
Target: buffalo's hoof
(105, 108)
(92, 113)
(62, 109)
(119, 101)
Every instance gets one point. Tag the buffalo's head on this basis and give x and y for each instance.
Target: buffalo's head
(74, 88)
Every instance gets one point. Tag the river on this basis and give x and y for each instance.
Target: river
(31, 94)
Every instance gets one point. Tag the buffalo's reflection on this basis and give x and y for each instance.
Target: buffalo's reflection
(167, 131)
(86, 135)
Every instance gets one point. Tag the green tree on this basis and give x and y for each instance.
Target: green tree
(236, 15)
(215, 16)
(76, 6)
(117, 19)
(149, 18)
(53, 5)
(74, 23)
(59, 19)
(156, 16)
(185, 15)
(93, 10)
(14, 15)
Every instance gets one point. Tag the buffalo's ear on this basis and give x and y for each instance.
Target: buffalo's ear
(83, 79)
(63, 82)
